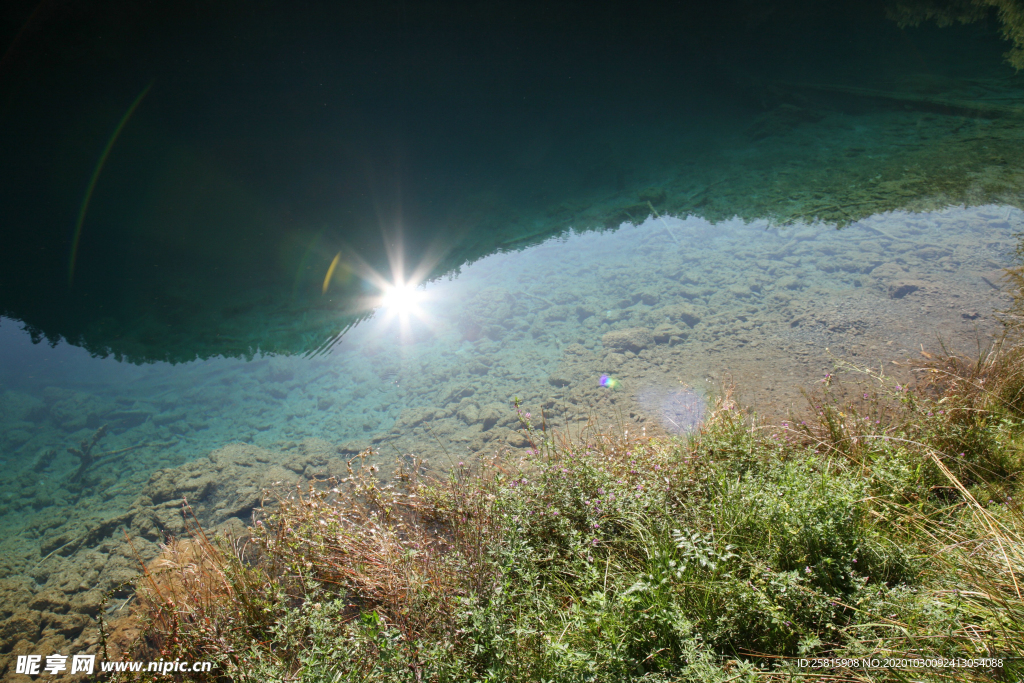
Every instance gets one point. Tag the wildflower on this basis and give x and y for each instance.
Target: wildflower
(597, 526)
(807, 570)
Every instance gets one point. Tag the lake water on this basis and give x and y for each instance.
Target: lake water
(199, 284)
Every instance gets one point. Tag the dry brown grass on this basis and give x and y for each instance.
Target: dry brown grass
(407, 549)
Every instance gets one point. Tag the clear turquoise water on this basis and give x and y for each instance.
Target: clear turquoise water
(746, 301)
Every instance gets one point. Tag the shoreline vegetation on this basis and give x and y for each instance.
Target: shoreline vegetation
(883, 523)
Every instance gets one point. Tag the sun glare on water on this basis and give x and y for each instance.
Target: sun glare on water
(401, 299)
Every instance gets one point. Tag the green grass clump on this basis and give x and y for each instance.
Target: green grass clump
(883, 524)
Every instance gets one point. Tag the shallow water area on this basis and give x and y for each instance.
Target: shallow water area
(667, 312)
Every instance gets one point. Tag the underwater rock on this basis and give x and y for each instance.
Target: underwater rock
(888, 271)
(559, 381)
(413, 417)
(469, 413)
(24, 623)
(556, 314)
(76, 410)
(900, 288)
(477, 368)
(688, 292)
(679, 410)
(17, 406)
(680, 313)
(583, 312)
(454, 392)
(613, 361)
(229, 483)
(67, 625)
(738, 290)
(670, 334)
(491, 414)
(632, 339)
(126, 419)
(13, 592)
(516, 440)
(788, 282)
(16, 438)
(88, 602)
(161, 419)
(490, 306)
(647, 298)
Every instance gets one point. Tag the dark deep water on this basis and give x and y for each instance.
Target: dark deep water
(602, 209)
(268, 140)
